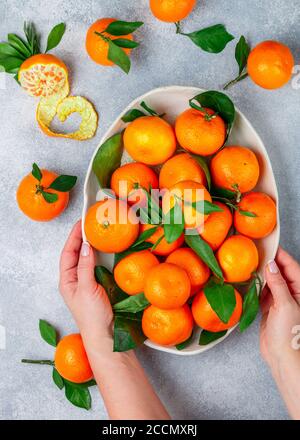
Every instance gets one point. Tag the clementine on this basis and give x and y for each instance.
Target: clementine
(163, 247)
(217, 226)
(180, 167)
(171, 10)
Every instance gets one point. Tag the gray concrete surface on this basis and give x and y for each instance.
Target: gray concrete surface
(228, 382)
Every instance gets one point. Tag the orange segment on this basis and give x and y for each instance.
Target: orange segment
(43, 75)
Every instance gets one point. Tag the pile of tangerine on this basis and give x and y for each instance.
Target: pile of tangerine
(171, 275)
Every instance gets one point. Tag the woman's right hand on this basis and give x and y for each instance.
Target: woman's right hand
(280, 327)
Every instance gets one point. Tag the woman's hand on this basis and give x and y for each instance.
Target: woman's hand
(280, 307)
(85, 298)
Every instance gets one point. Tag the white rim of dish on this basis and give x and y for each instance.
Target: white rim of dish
(136, 102)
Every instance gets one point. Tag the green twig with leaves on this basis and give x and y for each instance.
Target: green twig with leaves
(242, 51)
(116, 54)
(62, 183)
(16, 50)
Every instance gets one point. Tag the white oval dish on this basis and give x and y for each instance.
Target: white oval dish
(172, 100)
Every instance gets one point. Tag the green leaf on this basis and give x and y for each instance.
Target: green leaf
(123, 42)
(78, 396)
(117, 55)
(8, 51)
(133, 304)
(48, 332)
(205, 252)
(57, 379)
(206, 207)
(131, 115)
(50, 197)
(19, 44)
(36, 172)
(144, 236)
(221, 298)
(250, 307)
(32, 38)
(138, 247)
(11, 64)
(223, 192)
(55, 36)
(105, 278)
(203, 164)
(128, 332)
(63, 183)
(185, 343)
(220, 103)
(242, 51)
(207, 337)
(108, 159)
(119, 27)
(246, 213)
(175, 226)
(212, 39)
(148, 109)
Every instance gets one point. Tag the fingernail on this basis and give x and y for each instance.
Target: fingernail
(272, 266)
(85, 249)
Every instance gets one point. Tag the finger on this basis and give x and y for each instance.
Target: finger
(70, 255)
(86, 268)
(290, 269)
(277, 284)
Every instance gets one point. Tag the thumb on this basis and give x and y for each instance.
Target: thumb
(277, 284)
(86, 266)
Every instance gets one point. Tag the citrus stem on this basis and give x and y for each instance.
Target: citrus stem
(178, 28)
(235, 80)
(40, 362)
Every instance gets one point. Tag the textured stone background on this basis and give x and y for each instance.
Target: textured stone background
(228, 382)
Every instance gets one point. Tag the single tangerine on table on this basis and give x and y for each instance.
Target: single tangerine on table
(127, 179)
(181, 167)
(130, 273)
(110, 226)
(201, 132)
(198, 272)
(171, 10)
(270, 64)
(31, 201)
(263, 207)
(71, 360)
(235, 166)
(43, 75)
(167, 327)
(185, 194)
(206, 318)
(238, 258)
(163, 248)
(97, 47)
(150, 140)
(167, 286)
(217, 226)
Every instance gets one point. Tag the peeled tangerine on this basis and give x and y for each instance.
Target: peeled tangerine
(46, 76)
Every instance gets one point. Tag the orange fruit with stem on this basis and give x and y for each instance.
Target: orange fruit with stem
(97, 47)
(181, 167)
(201, 132)
(217, 226)
(161, 246)
(263, 223)
(270, 64)
(238, 258)
(235, 168)
(43, 75)
(37, 200)
(167, 327)
(187, 194)
(127, 181)
(71, 360)
(198, 272)
(206, 318)
(110, 226)
(167, 286)
(150, 140)
(171, 10)
(130, 273)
